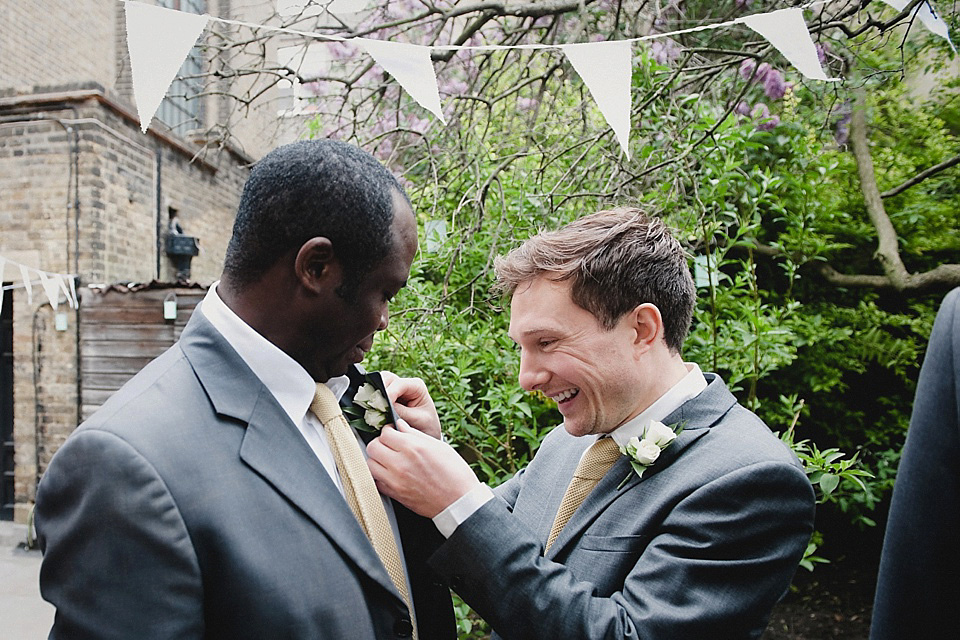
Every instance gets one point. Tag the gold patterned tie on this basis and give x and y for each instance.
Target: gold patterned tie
(359, 489)
(593, 465)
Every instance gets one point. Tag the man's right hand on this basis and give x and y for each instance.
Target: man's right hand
(413, 403)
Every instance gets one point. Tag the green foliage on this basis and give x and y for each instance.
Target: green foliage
(832, 369)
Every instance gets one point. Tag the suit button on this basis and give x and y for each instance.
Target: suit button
(403, 628)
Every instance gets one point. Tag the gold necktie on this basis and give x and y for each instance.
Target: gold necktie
(359, 489)
(593, 465)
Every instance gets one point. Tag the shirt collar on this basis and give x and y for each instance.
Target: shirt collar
(284, 378)
(687, 388)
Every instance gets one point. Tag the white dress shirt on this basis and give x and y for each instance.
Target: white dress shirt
(690, 386)
(291, 386)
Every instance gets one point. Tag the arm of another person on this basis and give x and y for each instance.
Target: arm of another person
(721, 558)
(917, 583)
(412, 402)
(118, 560)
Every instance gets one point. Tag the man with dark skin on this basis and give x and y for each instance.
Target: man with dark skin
(205, 499)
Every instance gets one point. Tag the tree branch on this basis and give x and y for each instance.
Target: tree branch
(920, 177)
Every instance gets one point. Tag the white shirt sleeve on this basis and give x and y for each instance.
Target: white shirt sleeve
(453, 516)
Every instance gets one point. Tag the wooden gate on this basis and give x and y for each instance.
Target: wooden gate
(121, 330)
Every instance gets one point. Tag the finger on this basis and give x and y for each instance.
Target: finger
(388, 377)
(389, 439)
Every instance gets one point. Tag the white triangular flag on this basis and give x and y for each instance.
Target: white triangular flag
(66, 290)
(51, 286)
(605, 67)
(159, 40)
(927, 15)
(25, 276)
(787, 32)
(73, 293)
(3, 267)
(410, 65)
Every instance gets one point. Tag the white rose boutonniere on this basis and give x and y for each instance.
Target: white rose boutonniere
(644, 451)
(369, 410)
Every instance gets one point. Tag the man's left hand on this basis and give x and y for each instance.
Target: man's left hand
(421, 472)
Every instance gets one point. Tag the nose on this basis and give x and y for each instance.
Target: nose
(384, 319)
(532, 373)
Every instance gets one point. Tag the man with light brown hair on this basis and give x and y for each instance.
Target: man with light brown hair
(661, 509)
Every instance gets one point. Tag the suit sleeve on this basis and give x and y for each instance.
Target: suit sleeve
(509, 490)
(917, 588)
(716, 565)
(118, 560)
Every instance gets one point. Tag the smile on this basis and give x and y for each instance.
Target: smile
(565, 395)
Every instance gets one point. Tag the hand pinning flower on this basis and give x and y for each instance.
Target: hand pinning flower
(373, 404)
(644, 451)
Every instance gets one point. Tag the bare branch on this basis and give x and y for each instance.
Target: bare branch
(920, 177)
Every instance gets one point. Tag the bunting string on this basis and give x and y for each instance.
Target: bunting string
(160, 39)
(52, 284)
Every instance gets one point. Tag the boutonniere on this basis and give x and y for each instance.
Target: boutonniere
(369, 410)
(644, 451)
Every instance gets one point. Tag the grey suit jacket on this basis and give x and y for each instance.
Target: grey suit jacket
(918, 589)
(189, 506)
(701, 547)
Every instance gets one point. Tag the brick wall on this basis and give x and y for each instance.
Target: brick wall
(115, 229)
(52, 42)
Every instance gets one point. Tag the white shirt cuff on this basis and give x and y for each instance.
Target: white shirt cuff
(453, 516)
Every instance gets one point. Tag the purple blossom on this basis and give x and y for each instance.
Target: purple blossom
(773, 85)
(742, 109)
(747, 67)
(822, 51)
(762, 72)
(526, 104)
(768, 123)
(743, 4)
(841, 132)
(760, 111)
(765, 121)
(664, 52)
(454, 87)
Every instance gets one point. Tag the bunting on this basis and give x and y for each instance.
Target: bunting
(928, 17)
(787, 32)
(159, 40)
(51, 283)
(605, 67)
(411, 67)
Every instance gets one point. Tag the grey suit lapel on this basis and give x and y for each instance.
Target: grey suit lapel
(273, 446)
(561, 471)
(698, 415)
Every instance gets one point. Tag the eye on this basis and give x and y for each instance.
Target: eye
(543, 343)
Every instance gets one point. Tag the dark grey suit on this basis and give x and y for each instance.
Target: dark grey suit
(918, 593)
(189, 506)
(701, 547)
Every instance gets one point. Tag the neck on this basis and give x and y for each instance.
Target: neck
(664, 371)
(256, 304)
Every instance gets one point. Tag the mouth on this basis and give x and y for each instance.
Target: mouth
(565, 397)
(359, 352)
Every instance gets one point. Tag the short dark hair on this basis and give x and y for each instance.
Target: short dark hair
(313, 188)
(615, 260)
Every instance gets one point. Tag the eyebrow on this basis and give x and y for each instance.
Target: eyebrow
(534, 331)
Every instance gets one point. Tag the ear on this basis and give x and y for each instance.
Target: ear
(647, 325)
(316, 267)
